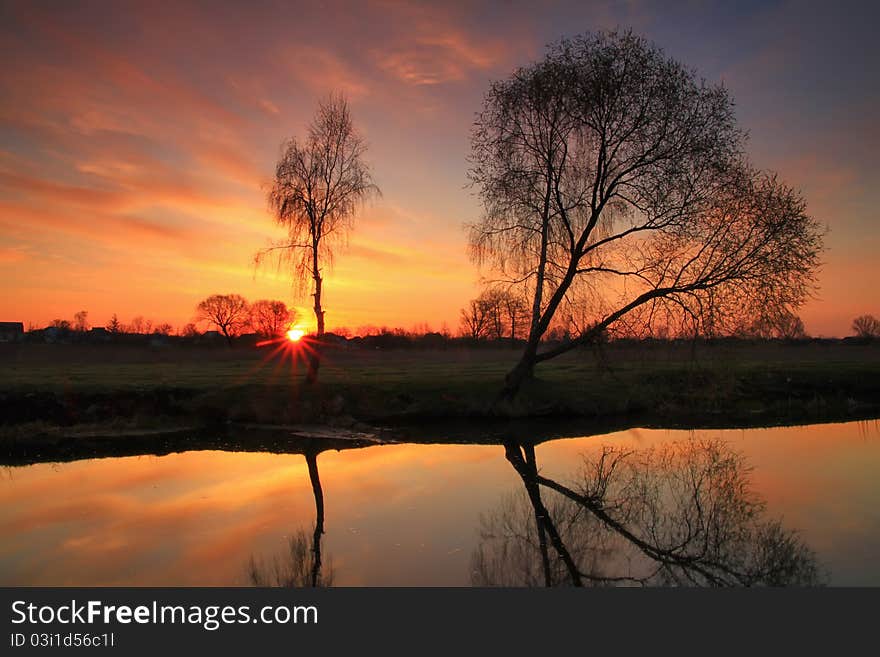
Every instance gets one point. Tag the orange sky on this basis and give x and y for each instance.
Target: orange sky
(135, 144)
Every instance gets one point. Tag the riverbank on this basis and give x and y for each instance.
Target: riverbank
(47, 396)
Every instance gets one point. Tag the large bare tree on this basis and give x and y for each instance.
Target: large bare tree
(615, 188)
(271, 318)
(475, 319)
(866, 326)
(229, 313)
(81, 321)
(320, 183)
(495, 314)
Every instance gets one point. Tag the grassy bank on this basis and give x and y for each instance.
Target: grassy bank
(66, 385)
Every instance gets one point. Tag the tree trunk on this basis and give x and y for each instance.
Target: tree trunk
(314, 353)
(525, 368)
(522, 372)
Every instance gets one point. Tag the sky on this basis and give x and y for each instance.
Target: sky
(137, 141)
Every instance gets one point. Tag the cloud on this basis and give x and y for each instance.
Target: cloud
(268, 106)
(23, 219)
(434, 60)
(12, 254)
(431, 48)
(322, 70)
(380, 256)
(231, 162)
(252, 92)
(60, 193)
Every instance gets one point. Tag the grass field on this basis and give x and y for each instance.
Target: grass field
(72, 384)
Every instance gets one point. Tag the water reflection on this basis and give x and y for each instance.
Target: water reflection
(301, 565)
(409, 514)
(683, 513)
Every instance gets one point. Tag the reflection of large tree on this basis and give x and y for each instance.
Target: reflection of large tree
(681, 514)
(301, 565)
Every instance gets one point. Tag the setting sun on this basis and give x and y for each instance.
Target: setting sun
(295, 334)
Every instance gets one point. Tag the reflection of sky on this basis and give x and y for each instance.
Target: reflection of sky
(396, 515)
(136, 138)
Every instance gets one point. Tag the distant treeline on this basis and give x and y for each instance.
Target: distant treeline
(492, 320)
(389, 339)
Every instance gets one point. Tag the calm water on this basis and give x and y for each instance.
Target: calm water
(394, 514)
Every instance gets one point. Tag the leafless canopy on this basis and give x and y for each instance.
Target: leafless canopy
(497, 313)
(271, 318)
(81, 321)
(774, 323)
(229, 313)
(614, 185)
(866, 326)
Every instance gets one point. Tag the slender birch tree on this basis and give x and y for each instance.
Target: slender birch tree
(320, 184)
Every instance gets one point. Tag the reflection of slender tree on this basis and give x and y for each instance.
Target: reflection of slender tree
(312, 461)
(293, 569)
(301, 566)
(682, 514)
